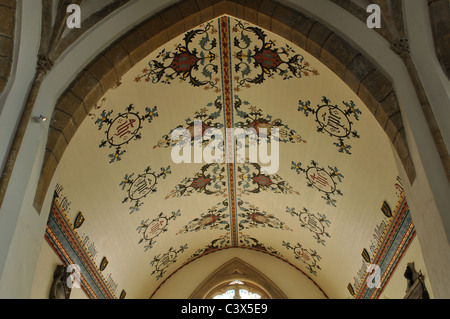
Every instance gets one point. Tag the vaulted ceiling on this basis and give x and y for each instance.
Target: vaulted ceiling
(150, 216)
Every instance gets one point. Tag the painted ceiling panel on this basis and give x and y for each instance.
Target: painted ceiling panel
(149, 215)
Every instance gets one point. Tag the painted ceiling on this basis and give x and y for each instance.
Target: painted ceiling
(149, 216)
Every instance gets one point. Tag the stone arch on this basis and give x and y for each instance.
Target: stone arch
(237, 269)
(7, 30)
(440, 25)
(369, 82)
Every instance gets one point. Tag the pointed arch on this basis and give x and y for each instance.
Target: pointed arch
(348, 62)
(237, 269)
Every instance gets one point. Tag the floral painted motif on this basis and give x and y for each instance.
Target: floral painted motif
(309, 257)
(333, 120)
(122, 129)
(252, 180)
(255, 119)
(142, 185)
(253, 243)
(322, 180)
(211, 180)
(194, 60)
(260, 58)
(216, 217)
(152, 229)
(216, 244)
(253, 217)
(317, 224)
(207, 115)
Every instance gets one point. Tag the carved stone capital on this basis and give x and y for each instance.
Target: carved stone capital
(44, 64)
(401, 46)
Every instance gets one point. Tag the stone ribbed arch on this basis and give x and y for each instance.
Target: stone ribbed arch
(440, 26)
(7, 29)
(353, 67)
(237, 269)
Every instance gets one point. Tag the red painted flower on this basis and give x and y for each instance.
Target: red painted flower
(262, 180)
(268, 58)
(200, 182)
(258, 218)
(183, 62)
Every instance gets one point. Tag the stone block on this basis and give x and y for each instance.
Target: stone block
(337, 54)
(265, 12)
(71, 104)
(356, 71)
(103, 71)
(300, 30)
(7, 18)
(374, 89)
(154, 32)
(316, 38)
(251, 8)
(206, 10)
(48, 170)
(87, 88)
(118, 57)
(173, 20)
(136, 47)
(191, 13)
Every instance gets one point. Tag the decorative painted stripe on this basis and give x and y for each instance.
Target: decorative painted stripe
(227, 99)
(67, 244)
(395, 241)
(57, 247)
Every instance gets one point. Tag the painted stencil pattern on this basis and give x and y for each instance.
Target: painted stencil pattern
(253, 217)
(334, 120)
(209, 117)
(214, 69)
(217, 218)
(252, 180)
(221, 242)
(209, 181)
(253, 117)
(259, 58)
(321, 179)
(194, 60)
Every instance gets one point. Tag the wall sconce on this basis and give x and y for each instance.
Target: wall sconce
(39, 119)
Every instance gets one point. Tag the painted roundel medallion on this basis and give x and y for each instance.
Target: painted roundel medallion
(333, 121)
(320, 179)
(312, 223)
(304, 256)
(123, 128)
(156, 227)
(141, 186)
